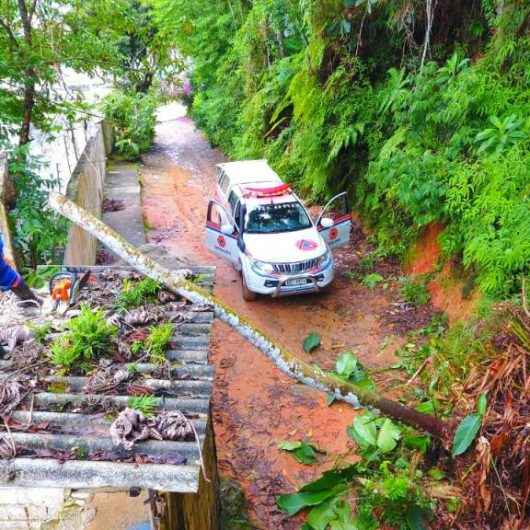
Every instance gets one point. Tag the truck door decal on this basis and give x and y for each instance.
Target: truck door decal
(217, 240)
(338, 234)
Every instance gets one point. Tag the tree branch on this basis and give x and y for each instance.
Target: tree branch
(26, 21)
(431, 7)
(32, 10)
(9, 31)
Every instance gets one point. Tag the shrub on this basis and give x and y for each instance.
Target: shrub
(133, 118)
(39, 233)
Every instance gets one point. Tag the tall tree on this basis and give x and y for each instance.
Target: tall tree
(37, 39)
(144, 50)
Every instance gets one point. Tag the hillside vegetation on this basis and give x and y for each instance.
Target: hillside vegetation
(419, 108)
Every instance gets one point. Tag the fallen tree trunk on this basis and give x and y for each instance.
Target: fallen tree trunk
(293, 366)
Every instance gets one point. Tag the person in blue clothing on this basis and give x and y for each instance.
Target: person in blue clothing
(10, 279)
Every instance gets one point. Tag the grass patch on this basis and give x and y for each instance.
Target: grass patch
(415, 292)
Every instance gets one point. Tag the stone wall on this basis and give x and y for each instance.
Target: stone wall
(86, 189)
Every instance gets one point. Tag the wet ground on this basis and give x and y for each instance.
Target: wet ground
(255, 405)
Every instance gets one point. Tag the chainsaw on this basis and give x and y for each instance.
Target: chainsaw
(65, 286)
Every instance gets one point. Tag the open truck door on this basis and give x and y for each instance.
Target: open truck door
(335, 223)
(222, 233)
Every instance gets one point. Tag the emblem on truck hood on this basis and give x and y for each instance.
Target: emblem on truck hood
(306, 244)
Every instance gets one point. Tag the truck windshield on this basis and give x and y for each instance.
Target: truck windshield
(274, 218)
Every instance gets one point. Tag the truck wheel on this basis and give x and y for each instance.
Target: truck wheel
(248, 295)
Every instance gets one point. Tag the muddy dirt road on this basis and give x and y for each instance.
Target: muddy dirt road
(255, 405)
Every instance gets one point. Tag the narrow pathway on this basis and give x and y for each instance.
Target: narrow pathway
(255, 405)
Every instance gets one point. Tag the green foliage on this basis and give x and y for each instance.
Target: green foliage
(144, 52)
(415, 291)
(503, 135)
(40, 332)
(158, 341)
(468, 428)
(88, 336)
(39, 233)
(147, 405)
(39, 277)
(372, 280)
(402, 502)
(370, 432)
(388, 491)
(134, 294)
(332, 94)
(137, 346)
(311, 342)
(333, 513)
(303, 452)
(133, 117)
(349, 368)
(450, 356)
(132, 368)
(38, 42)
(329, 485)
(465, 433)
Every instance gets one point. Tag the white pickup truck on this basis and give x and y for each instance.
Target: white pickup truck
(258, 224)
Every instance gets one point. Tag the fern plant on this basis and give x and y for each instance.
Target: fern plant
(134, 294)
(158, 341)
(88, 336)
(147, 405)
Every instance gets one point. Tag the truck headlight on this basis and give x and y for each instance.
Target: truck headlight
(325, 260)
(261, 267)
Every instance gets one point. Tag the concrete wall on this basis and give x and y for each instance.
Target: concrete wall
(44, 509)
(86, 189)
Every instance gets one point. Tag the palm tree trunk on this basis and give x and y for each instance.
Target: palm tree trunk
(294, 367)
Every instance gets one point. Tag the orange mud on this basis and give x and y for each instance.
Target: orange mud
(445, 288)
(254, 404)
(446, 295)
(426, 252)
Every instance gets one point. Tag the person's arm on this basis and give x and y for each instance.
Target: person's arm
(10, 279)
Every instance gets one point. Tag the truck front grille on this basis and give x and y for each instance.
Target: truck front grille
(296, 268)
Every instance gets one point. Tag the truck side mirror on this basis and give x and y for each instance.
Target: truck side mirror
(327, 222)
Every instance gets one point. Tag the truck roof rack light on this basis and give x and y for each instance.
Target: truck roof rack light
(260, 193)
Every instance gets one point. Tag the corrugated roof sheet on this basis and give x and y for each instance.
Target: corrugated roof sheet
(60, 443)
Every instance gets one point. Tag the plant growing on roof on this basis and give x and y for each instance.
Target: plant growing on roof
(88, 336)
(147, 405)
(158, 341)
(134, 294)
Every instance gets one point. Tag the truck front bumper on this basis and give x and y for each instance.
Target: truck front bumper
(290, 284)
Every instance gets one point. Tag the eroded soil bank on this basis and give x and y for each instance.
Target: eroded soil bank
(255, 405)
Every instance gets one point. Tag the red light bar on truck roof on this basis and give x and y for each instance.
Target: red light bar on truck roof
(261, 193)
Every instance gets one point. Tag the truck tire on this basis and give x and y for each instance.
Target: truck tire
(248, 295)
